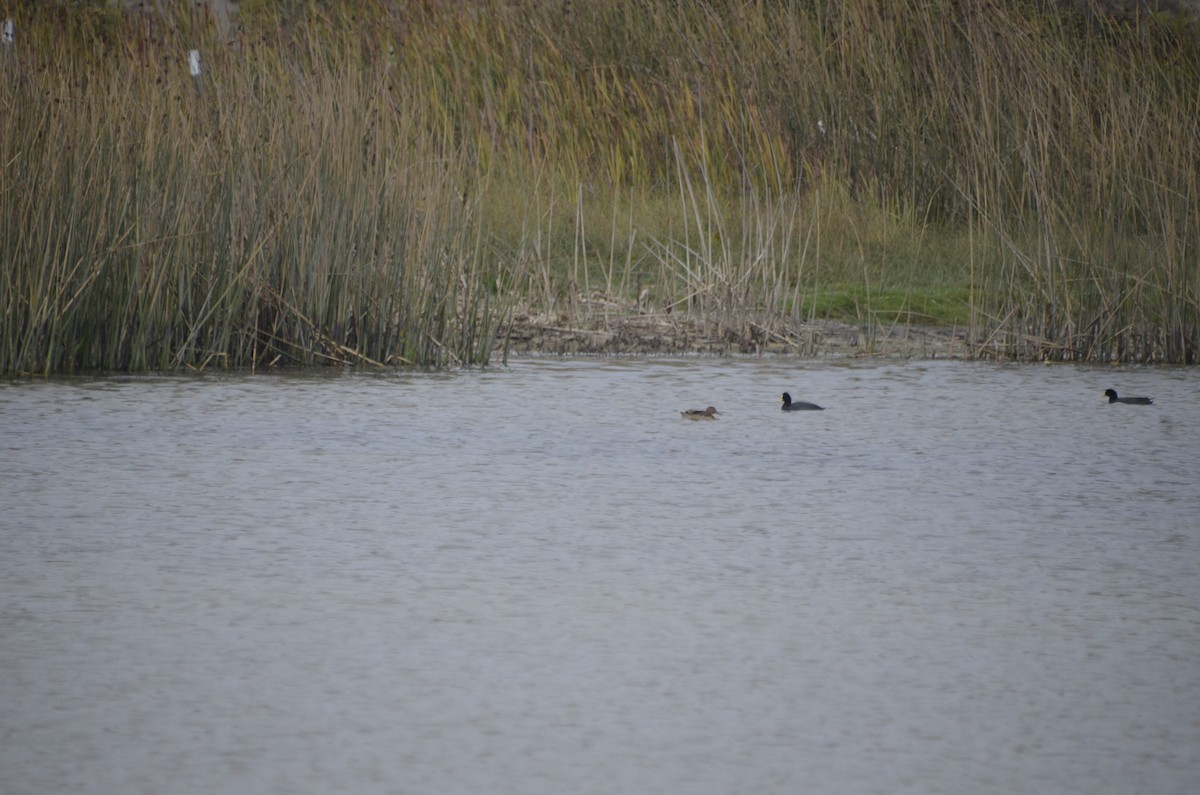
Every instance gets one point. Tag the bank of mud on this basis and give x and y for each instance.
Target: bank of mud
(531, 333)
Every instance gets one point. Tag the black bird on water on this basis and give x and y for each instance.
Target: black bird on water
(798, 405)
(1111, 394)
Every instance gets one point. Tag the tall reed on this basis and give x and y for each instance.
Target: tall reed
(289, 207)
(1043, 161)
(382, 181)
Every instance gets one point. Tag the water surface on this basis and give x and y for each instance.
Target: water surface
(959, 578)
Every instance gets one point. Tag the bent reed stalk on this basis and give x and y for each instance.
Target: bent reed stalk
(384, 182)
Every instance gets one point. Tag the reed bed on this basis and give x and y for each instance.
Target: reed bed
(384, 183)
(289, 207)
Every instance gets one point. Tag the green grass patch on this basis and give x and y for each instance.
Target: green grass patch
(933, 306)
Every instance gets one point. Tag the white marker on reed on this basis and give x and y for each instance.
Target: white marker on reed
(8, 33)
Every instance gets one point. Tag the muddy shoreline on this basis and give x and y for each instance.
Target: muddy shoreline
(666, 334)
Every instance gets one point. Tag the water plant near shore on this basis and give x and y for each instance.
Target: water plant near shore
(263, 216)
(381, 182)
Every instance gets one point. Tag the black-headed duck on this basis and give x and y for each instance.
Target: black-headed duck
(1111, 394)
(798, 405)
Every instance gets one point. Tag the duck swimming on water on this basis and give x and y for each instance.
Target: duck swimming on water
(1111, 394)
(696, 414)
(798, 405)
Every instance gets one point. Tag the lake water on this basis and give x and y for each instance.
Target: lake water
(959, 578)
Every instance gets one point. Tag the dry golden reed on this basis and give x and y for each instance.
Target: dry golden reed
(380, 183)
